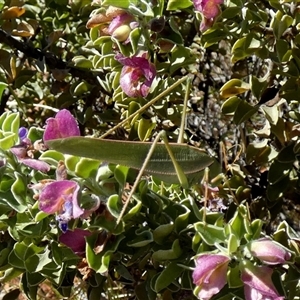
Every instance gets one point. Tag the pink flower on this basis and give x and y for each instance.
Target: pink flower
(75, 240)
(24, 152)
(209, 9)
(60, 197)
(63, 125)
(115, 22)
(137, 75)
(258, 283)
(210, 274)
(269, 252)
(118, 21)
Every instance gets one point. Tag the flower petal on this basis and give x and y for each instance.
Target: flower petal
(23, 133)
(53, 197)
(269, 251)
(63, 125)
(118, 21)
(75, 240)
(36, 164)
(205, 264)
(210, 274)
(137, 75)
(258, 281)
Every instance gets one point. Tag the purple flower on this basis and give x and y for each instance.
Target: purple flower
(136, 76)
(268, 251)
(258, 283)
(75, 240)
(63, 125)
(209, 9)
(61, 197)
(210, 274)
(25, 152)
(23, 133)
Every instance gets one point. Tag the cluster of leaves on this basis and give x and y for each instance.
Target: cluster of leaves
(50, 60)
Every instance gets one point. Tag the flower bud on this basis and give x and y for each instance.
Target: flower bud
(268, 251)
(122, 33)
(157, 24)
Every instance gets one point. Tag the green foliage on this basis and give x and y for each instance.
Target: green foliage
(244, 185)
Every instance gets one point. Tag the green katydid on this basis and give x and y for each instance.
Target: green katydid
(170, 162)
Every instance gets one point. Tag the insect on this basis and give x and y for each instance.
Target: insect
(170, 162)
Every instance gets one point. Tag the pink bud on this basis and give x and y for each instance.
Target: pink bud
(268, 251)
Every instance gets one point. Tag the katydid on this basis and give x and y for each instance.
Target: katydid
(170, 162)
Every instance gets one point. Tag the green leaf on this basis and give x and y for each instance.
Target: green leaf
(256, 228)
(278, 170)
(117, 3)
(121, 173)
(35, 229)
(86, 167)
(243, 112)
(36, 263)
(245, 47)
(142, 239)
(180, 55)
(280, 23)
(211, 234)
(191, 160)
(145, 127)
(234, 87)
(134, 38)
(7, 140)
(82, 62)
(276, 190)
(287, 155)
(167, 276)
(133, 211)
(172, 253)
(15, 261)
(52, 157)
(162, 232)
(230, 105)
(271, 113)
(258, 86)
(8, 198)
(23, 77)
(99, 262)
(71, 162)
(233, 277)
(114, 205)
(178, 4)
(11, 123)
(237, 225)
(19, 189)
(30, 290)
(283, 50)
(3, 85)
(80, 88)
(10, 274)
(4, 256)
(233, 243)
